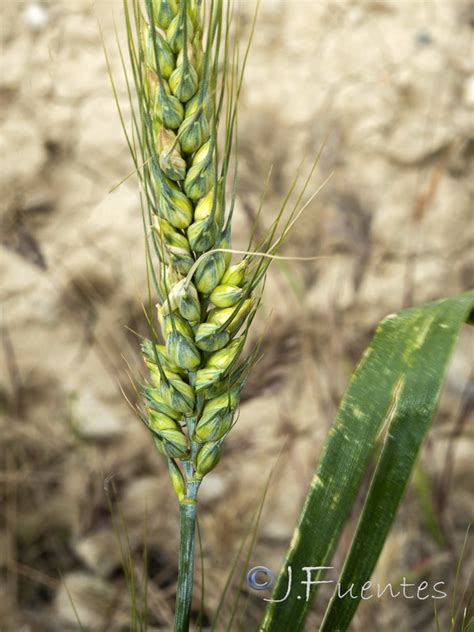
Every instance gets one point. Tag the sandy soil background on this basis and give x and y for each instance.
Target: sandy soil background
(390, 86)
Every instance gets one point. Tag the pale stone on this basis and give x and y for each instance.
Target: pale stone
(36, 16)
(21, 142)
(95, 421)
(213, 488)
(84, 597)
(101, 143)
(100, 551)
(468, 93)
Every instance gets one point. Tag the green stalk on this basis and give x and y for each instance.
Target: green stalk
(188, 511)
(184, 592)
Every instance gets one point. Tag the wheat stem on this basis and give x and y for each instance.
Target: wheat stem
(188, 509)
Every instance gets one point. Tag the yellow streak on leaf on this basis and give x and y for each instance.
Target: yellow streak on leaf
(396, 393)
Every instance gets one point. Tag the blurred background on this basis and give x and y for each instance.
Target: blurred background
(389, 87)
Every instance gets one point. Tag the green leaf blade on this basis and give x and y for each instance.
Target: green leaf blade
(394, 391)
(428, 364)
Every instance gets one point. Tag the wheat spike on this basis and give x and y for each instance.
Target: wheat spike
(187, 82)
(175, 60)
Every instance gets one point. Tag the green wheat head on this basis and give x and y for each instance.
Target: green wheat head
(188, 77)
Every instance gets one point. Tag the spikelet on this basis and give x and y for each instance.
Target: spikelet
(207, 458)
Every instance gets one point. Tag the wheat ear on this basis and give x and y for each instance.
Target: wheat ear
(187, 84)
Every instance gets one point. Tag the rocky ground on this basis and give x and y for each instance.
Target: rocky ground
(388, 88)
